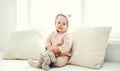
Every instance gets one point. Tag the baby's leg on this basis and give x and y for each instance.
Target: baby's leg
(61, 61)
(34, 63)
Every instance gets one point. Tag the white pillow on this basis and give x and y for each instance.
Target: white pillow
(89, 46)
(25, 44)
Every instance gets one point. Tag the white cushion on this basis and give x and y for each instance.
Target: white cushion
(89, 46)
(25, 44)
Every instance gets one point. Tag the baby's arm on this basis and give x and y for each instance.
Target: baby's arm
(48, 44)
(67, 45)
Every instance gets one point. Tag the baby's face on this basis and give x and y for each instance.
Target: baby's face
(61, 24)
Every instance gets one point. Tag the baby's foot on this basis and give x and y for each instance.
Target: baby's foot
(33, 63)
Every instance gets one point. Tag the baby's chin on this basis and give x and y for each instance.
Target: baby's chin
(60, 31)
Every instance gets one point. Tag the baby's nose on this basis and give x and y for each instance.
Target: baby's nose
(60, 25)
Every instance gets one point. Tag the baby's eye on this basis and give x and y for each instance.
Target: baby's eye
(58, 22)
(64, 24)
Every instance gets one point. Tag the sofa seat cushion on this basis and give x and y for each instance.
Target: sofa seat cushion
(21, 65)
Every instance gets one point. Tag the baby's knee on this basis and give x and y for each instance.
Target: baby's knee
(61, 61)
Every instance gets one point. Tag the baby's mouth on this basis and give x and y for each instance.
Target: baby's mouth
(59, 28)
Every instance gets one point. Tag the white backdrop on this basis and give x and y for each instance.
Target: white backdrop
(42, 12)
(104, 13)
(23, 14)
(7, 21)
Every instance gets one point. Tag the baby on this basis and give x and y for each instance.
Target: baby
(59, 42)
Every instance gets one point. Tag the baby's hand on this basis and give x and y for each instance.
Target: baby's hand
(55, 50)
(49, 48)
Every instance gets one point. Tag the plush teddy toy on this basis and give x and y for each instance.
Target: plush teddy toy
(45, 59)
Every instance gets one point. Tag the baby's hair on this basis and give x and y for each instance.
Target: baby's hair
(63, 16)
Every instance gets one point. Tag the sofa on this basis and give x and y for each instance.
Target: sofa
(15, 57)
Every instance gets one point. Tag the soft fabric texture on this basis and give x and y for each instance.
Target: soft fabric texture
(45, 59)
(25, 44)
(22, 65)
(89, 46)
(62, 41)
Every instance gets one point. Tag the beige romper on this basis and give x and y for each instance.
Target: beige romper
(64, 43)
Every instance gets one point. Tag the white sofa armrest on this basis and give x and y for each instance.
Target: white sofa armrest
(113, 50)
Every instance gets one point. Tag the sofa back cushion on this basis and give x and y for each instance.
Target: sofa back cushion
(89, 46)
(25, 44)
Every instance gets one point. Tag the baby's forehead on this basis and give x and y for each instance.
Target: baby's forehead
(61, 18)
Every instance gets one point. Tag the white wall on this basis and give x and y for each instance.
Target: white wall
(7, 21)
(43, 12)
(39, 13)
(103, 12)
(22, 14)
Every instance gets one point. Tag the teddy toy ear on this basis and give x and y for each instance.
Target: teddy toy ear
(52, 56)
